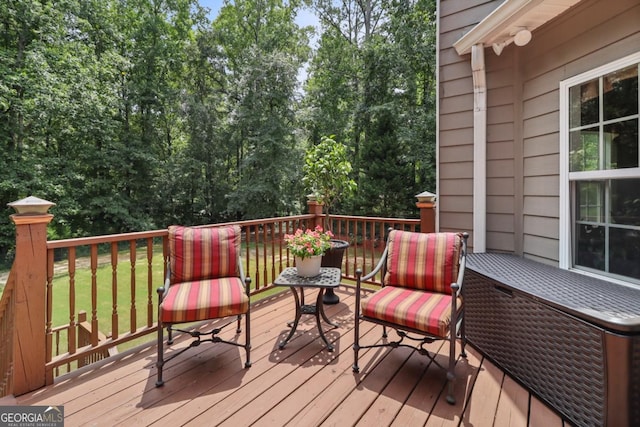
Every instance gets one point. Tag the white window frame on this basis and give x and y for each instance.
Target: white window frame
(565, 231)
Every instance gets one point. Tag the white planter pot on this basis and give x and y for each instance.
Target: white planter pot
(309, 266)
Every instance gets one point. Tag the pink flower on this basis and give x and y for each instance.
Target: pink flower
(306, 243)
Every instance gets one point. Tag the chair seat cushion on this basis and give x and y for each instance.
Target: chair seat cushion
(204, 299)
(421, 310)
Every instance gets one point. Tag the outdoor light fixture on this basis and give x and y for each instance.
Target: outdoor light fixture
(31, 206)
(522, 37)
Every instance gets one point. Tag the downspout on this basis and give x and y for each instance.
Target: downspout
(479, 149)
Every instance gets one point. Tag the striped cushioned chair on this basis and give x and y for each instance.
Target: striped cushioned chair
(420, 296)
(205, 281)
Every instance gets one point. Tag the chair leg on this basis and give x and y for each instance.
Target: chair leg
(356, 345)
(451, 373)
(247, 344)
(160, 359)
(238, 328)
(169, 335)
(463, 339)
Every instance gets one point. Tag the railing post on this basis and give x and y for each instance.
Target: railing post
(315, 208)
(427, 205)
(30, 269)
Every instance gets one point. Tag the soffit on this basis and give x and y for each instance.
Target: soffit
(499, 27)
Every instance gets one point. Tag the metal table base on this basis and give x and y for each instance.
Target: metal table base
(328, 278)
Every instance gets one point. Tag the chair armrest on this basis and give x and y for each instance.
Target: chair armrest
(360, 278)
(247, 285)
(246, 281)
(377, 268)
(462, 266)
(162, 290)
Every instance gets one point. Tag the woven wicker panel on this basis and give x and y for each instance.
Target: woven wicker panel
(559, 357)
(634, 394)
(605, 304)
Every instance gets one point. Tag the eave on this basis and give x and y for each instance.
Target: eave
(499, 28)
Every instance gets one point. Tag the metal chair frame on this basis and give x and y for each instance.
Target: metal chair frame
(196, 334)
(456, 329)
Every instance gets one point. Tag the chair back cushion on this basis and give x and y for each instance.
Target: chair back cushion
(425, 261)
(203, 253)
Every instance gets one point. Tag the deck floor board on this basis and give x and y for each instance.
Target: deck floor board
(302, 384)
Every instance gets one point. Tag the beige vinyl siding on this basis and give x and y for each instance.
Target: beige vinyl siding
(542, 226)
(502, 166)
(455, 139)
(522, 118)
(594, 33)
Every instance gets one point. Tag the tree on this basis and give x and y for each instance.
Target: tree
(326, 173)
(372, 80)
(264, 49)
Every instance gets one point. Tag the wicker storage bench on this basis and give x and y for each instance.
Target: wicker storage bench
(571, 339)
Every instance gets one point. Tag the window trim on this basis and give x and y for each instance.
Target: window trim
(565, 218)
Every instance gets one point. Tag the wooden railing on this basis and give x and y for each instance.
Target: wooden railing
(113, 278)
(7, 317)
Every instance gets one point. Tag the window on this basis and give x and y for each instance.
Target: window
(600, 171)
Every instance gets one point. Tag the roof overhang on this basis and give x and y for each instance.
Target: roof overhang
(512, 21)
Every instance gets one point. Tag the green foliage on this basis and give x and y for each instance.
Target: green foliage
(327, 172)
(373, 84)
(133, 115)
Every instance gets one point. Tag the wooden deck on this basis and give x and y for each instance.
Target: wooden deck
(300, 385)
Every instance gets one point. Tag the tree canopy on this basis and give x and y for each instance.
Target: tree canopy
(136, 114)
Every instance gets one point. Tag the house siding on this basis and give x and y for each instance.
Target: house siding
(455, 118)
(523, 116)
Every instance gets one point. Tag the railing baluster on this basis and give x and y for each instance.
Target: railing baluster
(277, 248)
(58, 349)
(256, 234)
(94, 295)
(150, 282)
(114, 291)
(165, 258)
(247, 237)
(263, 246)
(289, 230)
(273, 251)
(132, 260)
(49, 314)
(71, 333)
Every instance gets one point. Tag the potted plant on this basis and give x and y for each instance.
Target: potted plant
(307, 247)
(326, 174)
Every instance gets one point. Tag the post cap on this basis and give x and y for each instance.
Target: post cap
(426, 196)
(31, 206)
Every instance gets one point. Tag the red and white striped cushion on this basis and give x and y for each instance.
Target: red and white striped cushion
(426, 261)
(425, 311)
(204, 299)
(203, 253)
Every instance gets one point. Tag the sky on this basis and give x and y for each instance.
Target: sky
(214, 5)
(305, 17)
